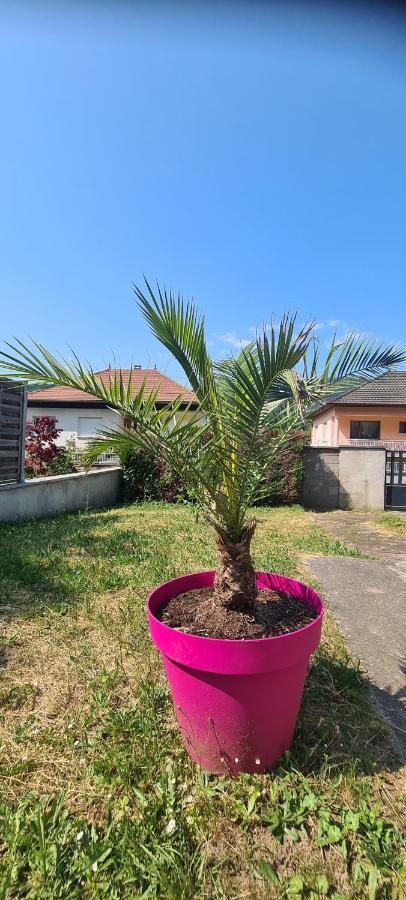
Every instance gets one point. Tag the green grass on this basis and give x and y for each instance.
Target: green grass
(392, 522)
(99, 799)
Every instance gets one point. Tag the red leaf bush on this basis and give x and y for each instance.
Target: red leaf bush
(40, 446)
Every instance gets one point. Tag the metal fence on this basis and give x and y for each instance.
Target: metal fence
(12, 431)
(109, 458)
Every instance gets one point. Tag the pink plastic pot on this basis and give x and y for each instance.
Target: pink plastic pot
(236, 701)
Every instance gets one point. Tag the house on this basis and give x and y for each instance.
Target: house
(372, 415)
(80, 415)
(357, 455)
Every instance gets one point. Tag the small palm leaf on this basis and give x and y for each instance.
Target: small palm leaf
(178, 327)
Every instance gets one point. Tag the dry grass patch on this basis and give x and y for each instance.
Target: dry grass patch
(390, 523)
(52, 664)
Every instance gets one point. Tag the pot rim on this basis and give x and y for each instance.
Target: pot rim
(247, 642)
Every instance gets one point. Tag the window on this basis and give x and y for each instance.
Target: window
(367, 431)
(89, 425)
(402, 427)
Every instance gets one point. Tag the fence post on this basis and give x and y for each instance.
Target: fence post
(21, 448)
(12, 431)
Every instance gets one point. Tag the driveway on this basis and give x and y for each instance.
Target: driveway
(368, 600)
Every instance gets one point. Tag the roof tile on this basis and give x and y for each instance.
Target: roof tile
(389, 389)
(168, 391)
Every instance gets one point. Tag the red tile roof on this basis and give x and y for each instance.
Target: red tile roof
(168, 389)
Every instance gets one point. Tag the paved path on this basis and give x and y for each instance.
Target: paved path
(368, 599)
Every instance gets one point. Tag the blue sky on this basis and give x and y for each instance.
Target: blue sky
(253, 156)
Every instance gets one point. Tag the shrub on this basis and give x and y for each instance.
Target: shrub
(64, 462)
(146, 477)
(40, 446)
(43, 456)
(283, 481)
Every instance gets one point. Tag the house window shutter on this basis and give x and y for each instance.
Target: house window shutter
(88, 426)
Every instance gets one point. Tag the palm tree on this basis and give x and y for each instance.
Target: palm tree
(217, 450)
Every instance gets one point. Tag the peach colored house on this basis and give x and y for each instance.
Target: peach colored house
(372, 415)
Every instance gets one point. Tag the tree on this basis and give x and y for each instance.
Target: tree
(40, 447)
(218, 450)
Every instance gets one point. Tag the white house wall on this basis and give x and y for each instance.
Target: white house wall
(68, 420)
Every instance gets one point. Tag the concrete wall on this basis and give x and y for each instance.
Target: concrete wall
(321, 477)
(344, 478)
(362, 478)
(40, 497)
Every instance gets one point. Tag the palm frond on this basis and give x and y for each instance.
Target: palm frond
(348, 363)
(178, 327)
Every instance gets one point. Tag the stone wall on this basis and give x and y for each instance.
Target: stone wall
(321, 477)
(344, 478)
(39, 497)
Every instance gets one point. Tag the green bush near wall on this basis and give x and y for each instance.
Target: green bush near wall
(284, 478)
(146, 477)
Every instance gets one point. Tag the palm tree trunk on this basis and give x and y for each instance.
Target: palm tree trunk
(235, 583)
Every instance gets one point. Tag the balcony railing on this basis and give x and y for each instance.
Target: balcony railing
(387, 445)
(104, 459)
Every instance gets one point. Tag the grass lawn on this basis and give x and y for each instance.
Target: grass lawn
(394, 523)
(99, 799)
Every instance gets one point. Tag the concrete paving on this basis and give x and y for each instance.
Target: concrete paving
(368, 600)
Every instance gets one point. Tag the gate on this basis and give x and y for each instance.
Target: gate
(395, 479)
(12, 431)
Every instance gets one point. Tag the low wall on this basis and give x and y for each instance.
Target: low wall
(40, 497)
(362, 478)
(321, 477)
(344, 477)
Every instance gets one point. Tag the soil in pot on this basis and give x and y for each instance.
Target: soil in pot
(274, 614)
